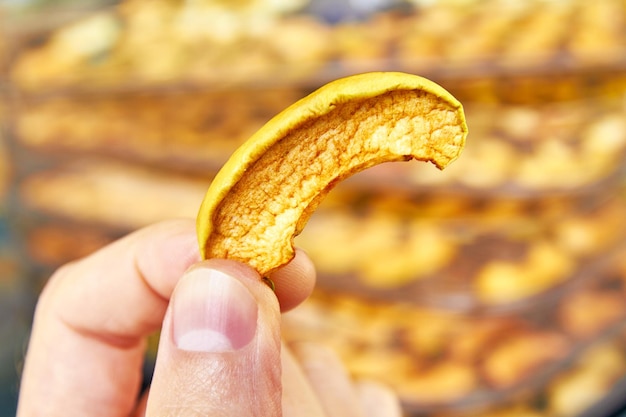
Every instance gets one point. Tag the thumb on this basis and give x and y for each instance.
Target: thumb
(219, 352)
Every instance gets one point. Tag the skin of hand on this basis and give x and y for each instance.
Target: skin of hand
(220, 351)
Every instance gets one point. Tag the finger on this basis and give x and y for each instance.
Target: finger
(87, 342)
(295, 281)
(140, 409)
(219, 352)
(378, 400)
(299, 399)
(329, 380)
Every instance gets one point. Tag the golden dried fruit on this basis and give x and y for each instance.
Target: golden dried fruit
(265, 193)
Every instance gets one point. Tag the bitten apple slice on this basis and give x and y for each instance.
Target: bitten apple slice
(265, 193)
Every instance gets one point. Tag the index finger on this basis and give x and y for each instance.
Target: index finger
(88, 338)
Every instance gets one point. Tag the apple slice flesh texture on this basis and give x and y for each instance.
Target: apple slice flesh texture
(263, 196)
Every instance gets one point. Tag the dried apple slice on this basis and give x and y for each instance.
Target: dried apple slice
(265, 193)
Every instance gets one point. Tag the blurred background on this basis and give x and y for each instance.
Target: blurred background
(495, 288)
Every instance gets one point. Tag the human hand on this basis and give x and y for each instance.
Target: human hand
(220, 347)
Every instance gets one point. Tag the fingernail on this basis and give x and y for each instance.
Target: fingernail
(212, 312)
